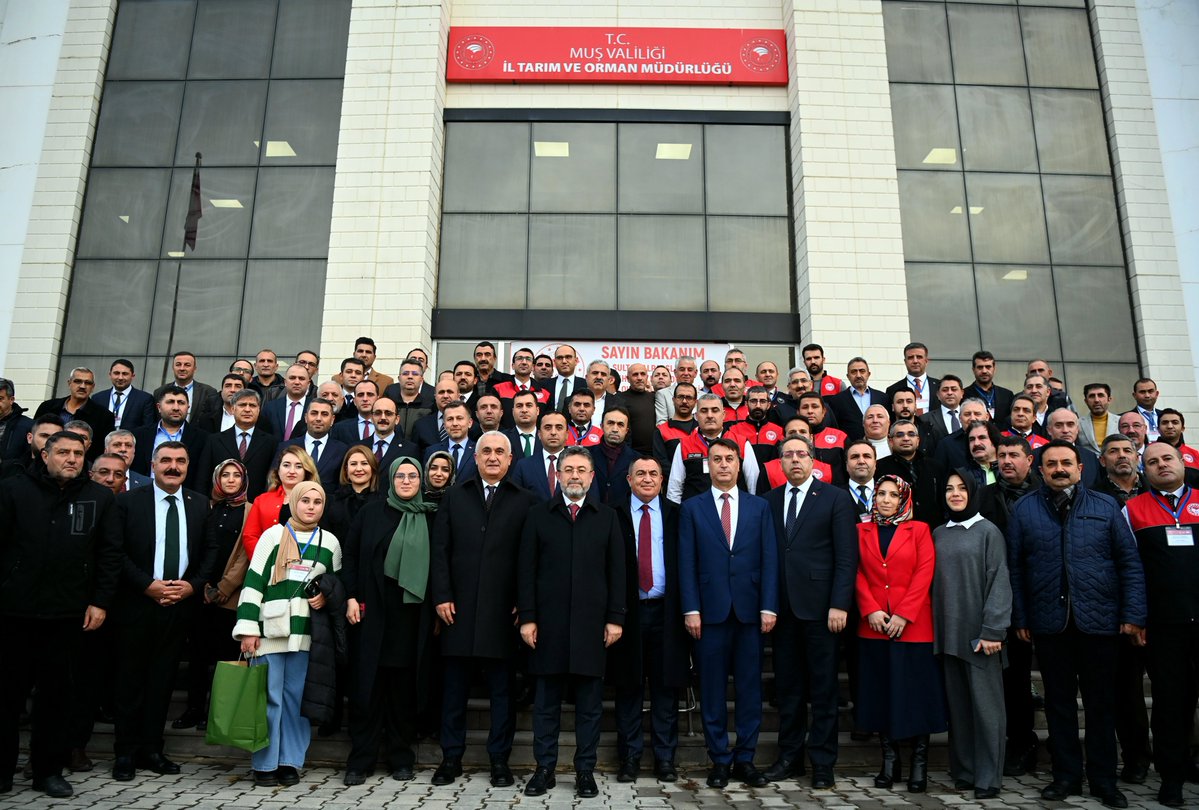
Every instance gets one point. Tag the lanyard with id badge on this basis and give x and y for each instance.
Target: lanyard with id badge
(300, 570)
(1177, 535)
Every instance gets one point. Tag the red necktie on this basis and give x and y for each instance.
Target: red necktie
(645, 552)
(552, 474)
(291, 420)
(379, 450)
(366, 430)
(574, 511)
(726, 518)
(241, 447)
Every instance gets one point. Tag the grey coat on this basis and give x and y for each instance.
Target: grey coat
(972, 593)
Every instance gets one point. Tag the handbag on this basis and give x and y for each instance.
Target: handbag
(237, 711)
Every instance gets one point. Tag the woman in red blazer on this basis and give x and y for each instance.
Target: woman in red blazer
(899, 691)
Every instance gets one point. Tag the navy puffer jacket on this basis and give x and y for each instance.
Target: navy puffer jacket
(1106, 584)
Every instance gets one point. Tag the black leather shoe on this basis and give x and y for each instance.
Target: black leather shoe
(784, 769)
(1135, 773)
(986, 793)
(265, 779)
(5, 784)
(1111, 797)
(962, 784)
(664, 771)
(501, 774)
(1170, 793)
(718, 776)
(158, 763)
(747, 774)
(447, 772)
(541, 781)
(585, 787)
(353, 778)
(189, 719)
(823, 779)
(1021, 762)
(404, 773)
(79, 762)
(287, 776)
(54, 786)
(630, 769)
(123, 769)
(1058, 791)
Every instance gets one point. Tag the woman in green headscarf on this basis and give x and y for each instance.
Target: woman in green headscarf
(386, 575)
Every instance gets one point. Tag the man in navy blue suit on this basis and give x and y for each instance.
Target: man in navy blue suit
(728, 579)
(326, 451)
(457, 421)
(613, 456)
(130, 407)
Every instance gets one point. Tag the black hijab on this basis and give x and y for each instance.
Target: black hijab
(972, 496)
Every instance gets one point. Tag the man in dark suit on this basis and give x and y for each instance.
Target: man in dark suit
(953, 450)
(728, 579)
(458, 443)
(284, 415)
(430, 429)
(849, 405)
(387, 443)
(563, 384)
(523, 434)
(202, 398)
(327, 452)
(571, 606)
(171, 426)
(943, 416)
(915, 359)
(537, 473)
(655, 646)
(472, 583)
(612, 457)
(909, 462)
(997, 398)
(222, 417)
(130, 407)
(244, 442)
(167, 562)
(1144, 391)
(818, 562)
(79, 405)
(357, 428)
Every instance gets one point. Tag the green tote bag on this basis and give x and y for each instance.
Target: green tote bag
(237, 712)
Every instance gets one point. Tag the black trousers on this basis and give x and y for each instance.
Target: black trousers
(547, 718)
(94, 673)
(38, 653)
(150, 642)
(1017, 695)
(390, 712)
(663, 700)
(805, 668)
(1073, 661)
(456, 680)
(1173, 652)
(210, 640)
(1132, 719)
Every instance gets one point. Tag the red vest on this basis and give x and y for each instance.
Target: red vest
(1034, 441)
(1145, 511)
(738, 414)
(693, 445)
(770, 433)
(829, 386)
(829, 438)
(670, 433)
(591, 437)
(508, 389)
(774, 472)
(1190, 456)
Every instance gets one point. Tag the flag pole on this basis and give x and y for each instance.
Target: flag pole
(191, 227)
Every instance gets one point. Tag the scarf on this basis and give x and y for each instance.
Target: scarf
(236, 499)
(430, 491)
(904, 512)
(971, 497)
(407, 559)
(289, 550)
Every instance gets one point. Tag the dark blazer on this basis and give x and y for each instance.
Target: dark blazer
(331, 452)
(274, 415)
(936, 427)
(845, 410)
(138, 410)
(19, 427)
(931, 385)
(571, 582)
(466, 464)
(398, 448)
(625, 664)
(1003, 401)
(259, 454)
(98, 417)
(347, 432)
(518, 450)
(135, 511)
(723, 584)
(529, 474)
(209, 421)
(613, 486)
(819, 559)
(204, 398)
(425, 432)
(551, 385)
(473, 564)
(193, 439)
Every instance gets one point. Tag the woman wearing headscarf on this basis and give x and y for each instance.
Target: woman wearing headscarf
(386, 580)
(972, 606)
(899, 692)
(439, 475)
(274, 623)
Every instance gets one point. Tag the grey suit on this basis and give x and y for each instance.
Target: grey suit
(1086, 430)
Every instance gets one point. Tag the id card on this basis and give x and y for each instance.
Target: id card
(298, 572)
(1179, 537)
(705, 465)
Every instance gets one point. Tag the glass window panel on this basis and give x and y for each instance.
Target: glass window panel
(110, 307)
(302, 120)
(151, 40)
(1093, 314)
(657, 172)
(662, 263)
(932, 209)
(122, 213)
(1070, 131)
(738, 243)
(137, 124)
(1017, 318)
(1058, 43)
(986, 45)
(572, 262)
(205, 321)
(310, 38)
(222, 120)
(224, 230)
(926, 130)
(997, 131)
(292, 210)
(1083, 228)
(943, 309)
(1007, 219)
(232, 39)
(917, 42)
(745, 170)
(283, 304)
(486, 167)
(1062, 3)
(1120, 376)
(484, 258)
(574, 167)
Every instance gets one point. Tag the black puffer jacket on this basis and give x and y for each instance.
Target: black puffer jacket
(328, 650)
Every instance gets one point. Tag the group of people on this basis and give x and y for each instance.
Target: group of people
(392, 543)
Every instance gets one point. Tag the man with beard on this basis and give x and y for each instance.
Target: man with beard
(910, 464)
(735, 407)
(612, 457)
(171, 426)
(523, 433)
(709, 375)
(1097, 423)
(829, 441)
(762, 417)
(685, 371)
(681, 423)
(825, 384)
(996, 398)
(953, 451)
(981, 438)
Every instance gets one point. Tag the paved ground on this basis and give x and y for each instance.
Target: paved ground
(204, 785)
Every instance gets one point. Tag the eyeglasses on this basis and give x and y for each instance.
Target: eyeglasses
(407, 476)
(796, 454)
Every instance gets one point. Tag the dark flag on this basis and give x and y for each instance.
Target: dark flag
(194, 209)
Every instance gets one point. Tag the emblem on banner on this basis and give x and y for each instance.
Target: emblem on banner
(474, 52)
(761, 55)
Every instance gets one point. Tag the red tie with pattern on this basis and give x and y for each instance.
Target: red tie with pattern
(645, 552)
(574, 511)
(726, 518)
(552, 475)
(242, 446)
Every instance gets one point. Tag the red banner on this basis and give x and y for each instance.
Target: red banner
(724, 56)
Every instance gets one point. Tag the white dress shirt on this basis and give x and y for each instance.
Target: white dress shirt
(160, 531)
(717, 497)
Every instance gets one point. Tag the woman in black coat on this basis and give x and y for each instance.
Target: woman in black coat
(359, 485)
(386, 576)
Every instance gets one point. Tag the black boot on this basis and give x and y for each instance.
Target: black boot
(892, 770)
(918, 777)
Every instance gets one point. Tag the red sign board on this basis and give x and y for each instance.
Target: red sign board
(725, 56)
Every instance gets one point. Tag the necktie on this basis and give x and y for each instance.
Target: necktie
(457, 455)
(792, 512)
(528, 440)
(1171, 499)
(116, 403)
(863, 498)
(726, 518)
(349, 401)
(490, 496)
(574, 511)
(562, 395)
(291, 420)
(170, 554)
(551, 475)
(441, 432)
(1151, 418)
(645, 551)
(954, 422)
(316, 452)
(918, 385)
(380, 449)
(242, 445)
(366, 430)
